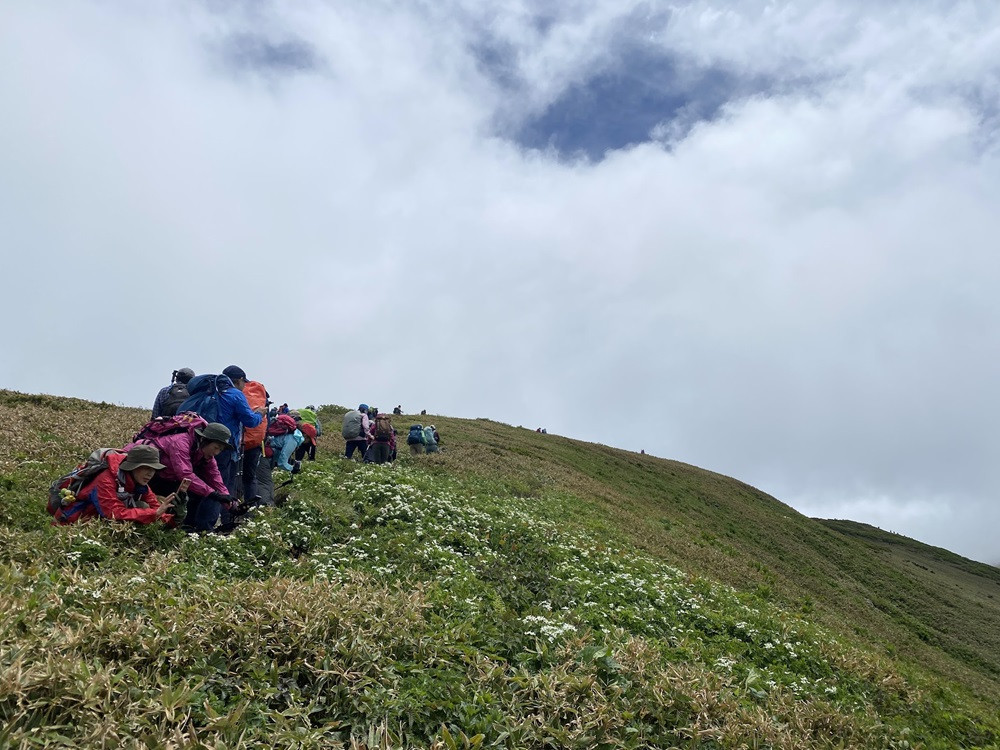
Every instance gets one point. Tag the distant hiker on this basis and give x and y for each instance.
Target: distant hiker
(431, 438)
(189, 447)
(283, 409)
(253, 441)
(415, 439)
(383, 440)
(219, 398)
(121, 492)
(539, 430)
(355, 430)
(398, 410)
(423, 412)
(173, 395)
(642, 452)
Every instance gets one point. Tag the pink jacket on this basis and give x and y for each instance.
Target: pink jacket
(180, 455)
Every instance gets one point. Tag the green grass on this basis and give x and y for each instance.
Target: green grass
(517, 590)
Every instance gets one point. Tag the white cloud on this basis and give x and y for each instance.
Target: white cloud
(801, 293)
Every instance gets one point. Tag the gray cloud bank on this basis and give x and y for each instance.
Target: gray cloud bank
(789, 268)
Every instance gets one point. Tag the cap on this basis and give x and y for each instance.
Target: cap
(234, 373)
(214, 431)
(142, 455)
(183, 375)
(362, 407)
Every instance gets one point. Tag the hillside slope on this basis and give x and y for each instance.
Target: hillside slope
(516, 590)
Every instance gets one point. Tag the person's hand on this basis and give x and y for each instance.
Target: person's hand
(167, 505)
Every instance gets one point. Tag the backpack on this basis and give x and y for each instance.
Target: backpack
(281, 425)
(63, 504)
(186, 421)
(204, 395)
(383, 428)
(176, 396)
(416, 436)
(353, 426)
(429, 437)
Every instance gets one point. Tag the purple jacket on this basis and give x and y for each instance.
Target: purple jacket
(180, 455)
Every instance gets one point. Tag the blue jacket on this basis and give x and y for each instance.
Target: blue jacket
(234, 411)
(283, 447)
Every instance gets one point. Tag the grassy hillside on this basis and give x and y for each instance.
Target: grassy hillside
(517, 590)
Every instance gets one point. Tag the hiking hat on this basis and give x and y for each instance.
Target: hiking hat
(142, 455)
(295, 415)
(184, 375)
(214, 431)
(234, 373)
(362, 407)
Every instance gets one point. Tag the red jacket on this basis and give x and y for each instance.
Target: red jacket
(105, 494)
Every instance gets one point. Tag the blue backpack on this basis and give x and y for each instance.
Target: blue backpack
(416, 436)
(204, 399)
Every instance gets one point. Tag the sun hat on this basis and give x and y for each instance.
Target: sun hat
(214, 431)
(142, 455)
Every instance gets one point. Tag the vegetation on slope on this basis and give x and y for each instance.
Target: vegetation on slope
(448, 601)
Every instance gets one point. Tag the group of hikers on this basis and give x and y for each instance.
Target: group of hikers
(208, 454)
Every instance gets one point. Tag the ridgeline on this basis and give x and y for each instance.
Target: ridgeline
(516, 590)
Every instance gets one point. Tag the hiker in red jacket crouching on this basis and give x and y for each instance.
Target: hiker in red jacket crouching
(121, 492)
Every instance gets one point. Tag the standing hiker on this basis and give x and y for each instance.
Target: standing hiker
(355, 430)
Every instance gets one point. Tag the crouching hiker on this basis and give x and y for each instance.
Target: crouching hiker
(114, 485)
(283, 439)
(189, 452)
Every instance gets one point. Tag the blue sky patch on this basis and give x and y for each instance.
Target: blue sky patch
(621, 104)
(256, 53)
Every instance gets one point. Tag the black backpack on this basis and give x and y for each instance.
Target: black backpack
(177, 395)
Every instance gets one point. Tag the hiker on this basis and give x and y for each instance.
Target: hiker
(430, 437)
(283, 409)
(219, 398)
(355, 430)
(415, 439)
(398, 410)
(190, 457)
(284, 437)
(423, 412)
(121, 492)
(309, 416)
(383, 440)
(253, 442)
(173, 395)
(308, 446)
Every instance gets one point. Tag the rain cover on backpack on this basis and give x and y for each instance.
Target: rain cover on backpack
(186, 421)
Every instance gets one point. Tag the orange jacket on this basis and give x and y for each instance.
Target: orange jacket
(256, 395)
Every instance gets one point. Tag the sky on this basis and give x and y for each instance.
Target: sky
(755, 236)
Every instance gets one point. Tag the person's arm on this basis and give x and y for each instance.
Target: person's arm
(211, 476)
(158, 403)
(247, 416)
(109, 506)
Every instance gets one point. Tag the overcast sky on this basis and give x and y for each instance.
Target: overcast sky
(759, 237)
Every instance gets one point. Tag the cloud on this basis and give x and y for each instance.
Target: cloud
(779, 250)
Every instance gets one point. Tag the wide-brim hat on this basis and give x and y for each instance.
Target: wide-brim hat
(214, 431)
(142, 455)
